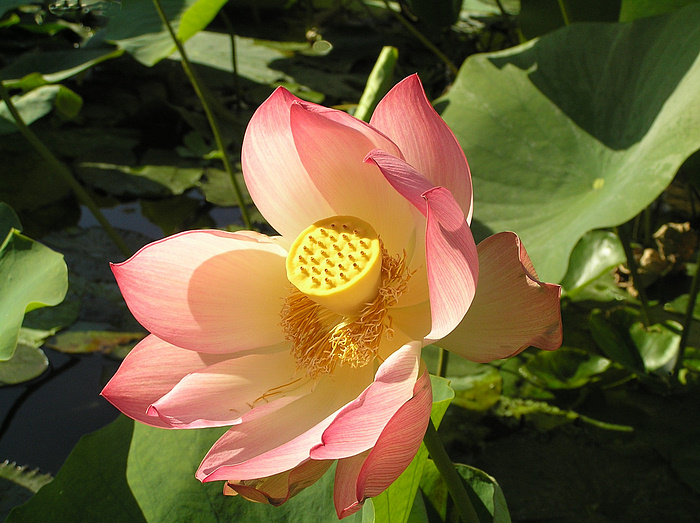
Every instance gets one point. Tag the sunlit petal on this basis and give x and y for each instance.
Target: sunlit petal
(209, 291)
(427, 143)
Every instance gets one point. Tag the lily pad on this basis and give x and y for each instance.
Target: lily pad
(47, 67)
(578, 130)
(26, 364)
(147, 181)
(566, 368)
(32, 276)
(81, 342)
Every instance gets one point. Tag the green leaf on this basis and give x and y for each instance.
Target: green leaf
(160, 471)
(395, 503)
(137, 28)
(31, 70)
(565, 368)
(479, 390)
(147, 181)
(594, 255)
(538, 17)
(38, 103)
(31, 276)
(633, 9)
(26, 364)
(613, 337)
(485, 494)
(91, 485)
(657, 344)
(578, 130)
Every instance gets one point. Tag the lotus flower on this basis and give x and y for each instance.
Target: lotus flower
(308, 344)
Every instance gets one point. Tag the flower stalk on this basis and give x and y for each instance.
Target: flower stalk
(192, 76)
(453, 481)
(64, 172)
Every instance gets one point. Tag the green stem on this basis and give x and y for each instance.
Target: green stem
(634, 271)
(427, 43)
(64, 172)
(564, 15)
(443, 359)
(234, 60)
(453, 480)
(191, 75)
(688, 320)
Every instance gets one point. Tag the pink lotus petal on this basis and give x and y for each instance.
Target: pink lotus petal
(209, 291)
(393, 452)
(333, 155)
(271, 444)
(149, 371)
(428, 144)
(453, 265)
(511, 310)
(345, 491)
(450, 251)
(277, 489)
(220, 394)
(274, 175)
(358, 425)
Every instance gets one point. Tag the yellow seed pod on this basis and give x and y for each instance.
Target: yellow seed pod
(337, 262)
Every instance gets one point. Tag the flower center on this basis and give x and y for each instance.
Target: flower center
(345, 284)
(337, 263)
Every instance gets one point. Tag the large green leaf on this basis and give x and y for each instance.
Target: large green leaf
(26, 363)
(137, 28)
(31, 276)
(633, 9)
(133, 473)
(578, 130)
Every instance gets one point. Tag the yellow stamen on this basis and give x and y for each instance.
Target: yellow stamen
(322, 339)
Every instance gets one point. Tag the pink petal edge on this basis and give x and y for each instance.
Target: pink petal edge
(290, 432)
(450, 250)
(274, 175)
(149, 371)
(359, 424)
(427, 142)
(371, 473)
